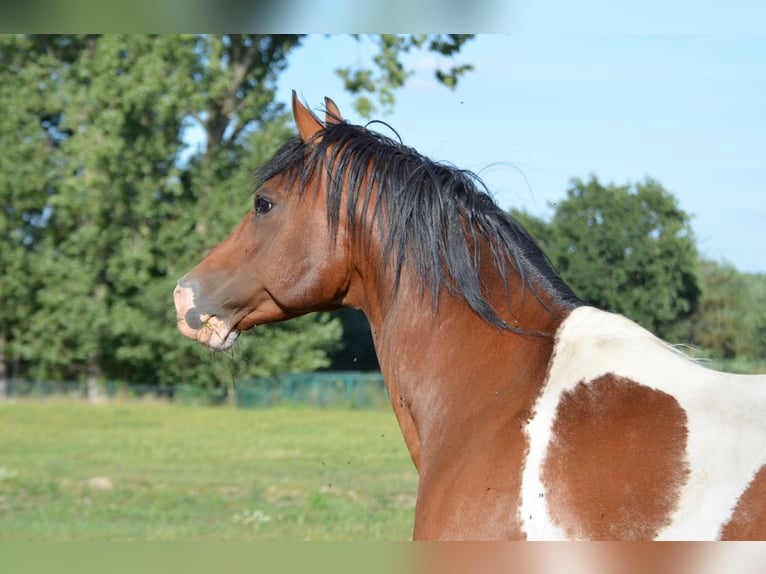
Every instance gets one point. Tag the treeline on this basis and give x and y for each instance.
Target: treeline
(123, 159)
(631, 249)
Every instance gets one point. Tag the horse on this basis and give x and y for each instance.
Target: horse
(528, 414)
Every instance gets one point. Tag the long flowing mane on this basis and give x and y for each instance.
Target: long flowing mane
(433, 213)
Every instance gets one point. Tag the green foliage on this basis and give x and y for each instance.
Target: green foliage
(357, 352)
(27, 172)
(627, 249)
(104, 206)
(630, 250)
(390, 73)
(731, 319)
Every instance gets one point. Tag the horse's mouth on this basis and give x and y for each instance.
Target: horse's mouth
(216, 334)
(211, 331)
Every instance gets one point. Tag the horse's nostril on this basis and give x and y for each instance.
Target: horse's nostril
(192, 318)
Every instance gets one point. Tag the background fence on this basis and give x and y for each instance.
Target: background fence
(323, 390)
(348, 389)
(342, 389)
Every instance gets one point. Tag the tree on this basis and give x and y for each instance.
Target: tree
(730, 320)
(391, 73)
(357, 352)
(104, 207)
(627, 249)
(27, 170)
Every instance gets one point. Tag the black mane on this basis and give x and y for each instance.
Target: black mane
(431, 213)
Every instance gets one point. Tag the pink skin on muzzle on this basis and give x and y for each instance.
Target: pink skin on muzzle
(213, 332)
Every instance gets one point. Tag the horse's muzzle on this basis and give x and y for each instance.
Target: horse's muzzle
(210, 330)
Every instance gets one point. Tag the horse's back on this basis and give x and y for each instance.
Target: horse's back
(632, 440)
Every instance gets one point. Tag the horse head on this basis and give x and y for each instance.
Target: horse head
(281, 260)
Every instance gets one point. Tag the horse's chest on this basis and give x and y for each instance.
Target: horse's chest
(472, 492)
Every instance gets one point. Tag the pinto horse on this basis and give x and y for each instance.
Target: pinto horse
(528, 414)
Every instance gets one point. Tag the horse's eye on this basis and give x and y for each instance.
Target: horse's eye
(262, 205)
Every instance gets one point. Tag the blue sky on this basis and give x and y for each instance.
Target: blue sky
(688, 110)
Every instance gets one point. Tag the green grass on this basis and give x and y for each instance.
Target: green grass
(202, 473)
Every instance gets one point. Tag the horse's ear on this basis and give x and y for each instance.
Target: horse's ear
(332, 113)
(307, 123)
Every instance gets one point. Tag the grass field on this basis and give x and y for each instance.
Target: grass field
(73, 471)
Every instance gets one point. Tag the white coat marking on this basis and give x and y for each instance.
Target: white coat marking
(726, 423)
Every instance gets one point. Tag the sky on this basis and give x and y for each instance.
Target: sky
(684, 105)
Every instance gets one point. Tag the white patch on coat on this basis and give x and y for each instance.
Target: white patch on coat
(726, 423)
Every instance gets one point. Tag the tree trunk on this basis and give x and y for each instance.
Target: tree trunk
(3, 369)
(96, 391)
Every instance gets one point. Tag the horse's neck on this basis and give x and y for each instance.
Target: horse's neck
(450, 369)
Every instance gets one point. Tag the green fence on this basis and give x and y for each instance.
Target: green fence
(322, 390)
(335, 389)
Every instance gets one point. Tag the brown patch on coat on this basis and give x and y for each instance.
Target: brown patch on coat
(616, 462)
(748, 521)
